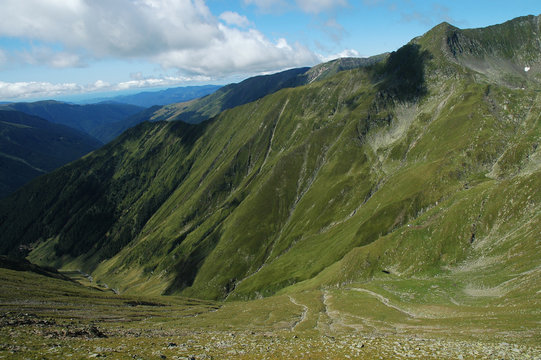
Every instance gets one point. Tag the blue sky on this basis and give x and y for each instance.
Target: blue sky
(63, 48)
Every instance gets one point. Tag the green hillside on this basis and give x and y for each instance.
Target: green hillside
(424, 167)
(252, 89)
(31, 146)
(227, 97)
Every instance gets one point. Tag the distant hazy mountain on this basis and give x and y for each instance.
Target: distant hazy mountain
(93, 119)
(31, 146)
(418, 164)
(162, 97)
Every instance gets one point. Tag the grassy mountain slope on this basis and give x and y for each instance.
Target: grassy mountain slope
(31, 146)
(93, 119)
(415, 167)
(255, 88)
(229, 96)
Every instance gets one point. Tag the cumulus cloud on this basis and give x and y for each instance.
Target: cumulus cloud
(248, 50)
(110, 28)
(342, 54)
(12, 91)
(23, 90)
(183, 34)
(233, 18)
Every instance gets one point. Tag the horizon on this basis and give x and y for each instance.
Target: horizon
(53, 51)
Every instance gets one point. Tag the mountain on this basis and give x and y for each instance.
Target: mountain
(423, 165)
(228, 97)
(93, 119)
(163, 97)
(31, 146)
(253, 89)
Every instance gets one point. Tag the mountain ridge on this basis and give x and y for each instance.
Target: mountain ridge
(255, 88)
(92, 119)
(417, 165)
(31, 146)
(161, 97)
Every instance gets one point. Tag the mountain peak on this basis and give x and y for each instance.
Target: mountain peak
(496, 54)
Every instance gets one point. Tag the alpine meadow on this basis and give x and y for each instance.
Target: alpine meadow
(382, 207)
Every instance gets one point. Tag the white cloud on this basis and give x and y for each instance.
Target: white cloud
(22, 90)
(156, 82)
(110, 28)
(233, 18)
(249, 51)
(12, 91)
(176, 33)
(342, 54)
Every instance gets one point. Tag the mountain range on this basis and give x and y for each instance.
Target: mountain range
(93, 119)
(162, 97)
(420, 163)
(31, 146)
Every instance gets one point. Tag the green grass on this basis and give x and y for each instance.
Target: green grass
(47, 317)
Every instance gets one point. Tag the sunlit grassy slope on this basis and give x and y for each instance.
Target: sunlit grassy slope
(425, 165)
(44, 317)
(252, 89)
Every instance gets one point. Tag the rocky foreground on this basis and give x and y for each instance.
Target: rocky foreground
(46, 317)
(28, 336)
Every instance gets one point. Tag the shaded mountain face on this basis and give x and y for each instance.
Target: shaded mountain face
(415, 165)
(93, 119)
(31, 146)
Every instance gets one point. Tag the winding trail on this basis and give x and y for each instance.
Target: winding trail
(386, 302)
(304, 312)
(15, 158)
(337, 318)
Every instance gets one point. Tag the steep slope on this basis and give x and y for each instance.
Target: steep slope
(255, 88)
(31, 146)
(228, 97)
(93, 119)
(412, 167)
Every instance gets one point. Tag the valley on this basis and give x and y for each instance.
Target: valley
(387, 207)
